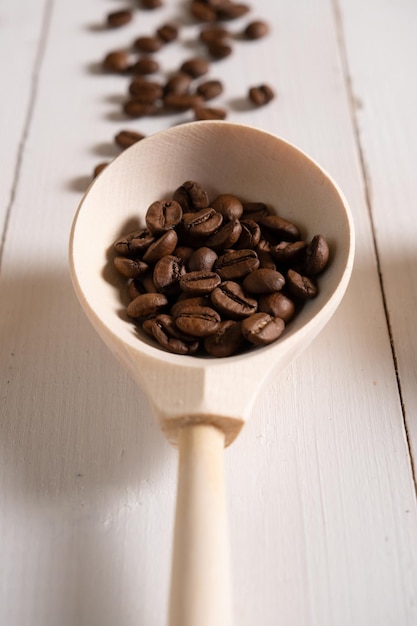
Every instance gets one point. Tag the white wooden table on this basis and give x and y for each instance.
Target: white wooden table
(321, 483)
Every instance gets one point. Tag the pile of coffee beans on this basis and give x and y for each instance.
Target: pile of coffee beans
(188, 89)
(216, 276)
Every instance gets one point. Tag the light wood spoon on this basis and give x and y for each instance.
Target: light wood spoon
(201, 403)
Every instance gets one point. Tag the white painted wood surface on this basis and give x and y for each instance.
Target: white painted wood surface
(321, 490)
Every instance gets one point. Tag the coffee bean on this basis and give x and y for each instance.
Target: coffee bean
(277, 305)
(236, 264)
(99, 168)
(202, 12)
(280, 227)
(228, 205)
(232, 11)
(202, 223)
(263, 250)
(148, 284)
(182, 101)
(168, 32)
(151, 4)
(202, 259)
(184, 301)
(167, 274)
(134, 108)
(184, 253)
(131, 268)
(199, 283)
(210, 89)
(166, 244)
(161, 216)
(168, 336)
(209, 113)
(261, 329)
(219, 49)
(256, 30)
(261, 95)
(288, 252)
(300, 286)
(198, 321)
(191, 196)
(226, 236)
(119, 18)
(254, 210)
(147, 44)
(147, 305)
(212, 33)
(126, 138)
(317, 256)
(145, 66)
(226, 341)
(195, 67)
(250, 235)
(263, 280)
(178, 83)
(117, 61)
(145, 91)
(134, 243)
(134, 288)
(230, 299)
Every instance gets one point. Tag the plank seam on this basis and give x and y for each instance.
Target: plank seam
(37, 65)
(353, 103)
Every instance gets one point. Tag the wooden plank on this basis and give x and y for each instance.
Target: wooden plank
(321, 498)
(387, 130)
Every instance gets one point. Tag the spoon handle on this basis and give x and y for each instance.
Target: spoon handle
(200, 582)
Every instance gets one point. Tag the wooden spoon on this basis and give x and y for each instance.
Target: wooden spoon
(200, 403)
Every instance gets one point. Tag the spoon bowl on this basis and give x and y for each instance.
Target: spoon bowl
(184, 391)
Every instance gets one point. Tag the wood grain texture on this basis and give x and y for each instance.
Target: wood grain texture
(322, 503)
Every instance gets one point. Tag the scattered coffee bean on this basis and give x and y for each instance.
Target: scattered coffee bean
(263, 94)
(117, 61)
(145, 91)
(213, 33)
(256, 30)
(232, 11)
(135, 108)
(151, 4)
(210, 89)
(145, 66)
(219, 49)
(147, 44)
(179, 83)
(167, 32)
(202, 12)
(99, 168)
(209, 113)
(126, 138)
(119, 18)
(182, 101)
(195, 67)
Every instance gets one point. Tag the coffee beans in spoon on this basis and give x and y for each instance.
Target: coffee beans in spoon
(216, 276)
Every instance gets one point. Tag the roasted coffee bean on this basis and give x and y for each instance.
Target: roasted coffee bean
(202, 259)
(147, 305)
(168, 336)
(288, 252)
(302, 287)
(226, 341)
(263, 280)
(117, 61)
(151, 4)
(228, 205)
(198, 321)
(191, 196)
(230, 299)
(134, 288)
(167, 274)
(131, 268)
(184, 253)
(256, 30)
(146, 91)
(134, 108)
(202, 223)
(202, 12)
(184, 301)
(199, 283)
(209, 113)
(277, 305)
(261, 95)
(232, 10)
(126, 138)
(145, 66)
(261, 329)
(210, 89)
(182, 101)
(254, 210)
(168, 32)
(213, 33)
(178, 83)
(264, 255)
(317, 256)
(226, 236)
(166, 244)
(195, 67)
(147, 44)
(219, 49)
(236, 264)
(280, 227)
(161, 216)
(134, 243)
(99, 168)
(250, 235)
(119, 18)
(148, 284)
